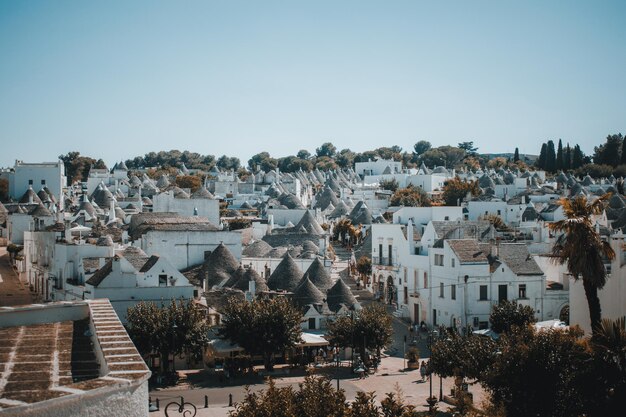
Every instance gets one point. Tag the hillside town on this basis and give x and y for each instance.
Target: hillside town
(141, 284)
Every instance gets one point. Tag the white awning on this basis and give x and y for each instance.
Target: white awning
(311, 339)
(224, 346)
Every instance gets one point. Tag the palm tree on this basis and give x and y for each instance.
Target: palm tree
(581, 247)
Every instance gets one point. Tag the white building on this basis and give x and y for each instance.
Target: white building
(37, 176)
(612, 296)
(204, 207)
(377, 167)
(132, 276)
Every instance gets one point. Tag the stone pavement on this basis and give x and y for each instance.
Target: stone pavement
(12, 291)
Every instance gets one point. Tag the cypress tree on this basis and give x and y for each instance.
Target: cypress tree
(516, 155)
(567, 158)
(559, 156)
(623, 156)
(550, 157)
(577, 157)
(541, 162)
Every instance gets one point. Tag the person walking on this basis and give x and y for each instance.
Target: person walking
(423, 370)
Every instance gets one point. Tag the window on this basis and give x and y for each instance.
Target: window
(522, 291)
(475, 321)
(502, 292)
(499, 213)
(43, 182)
(390, 248)
(446, 218)
(380, 254)
(452, 262)
(453, 292)
(30, 182)
(425, 280)
(438, 260)
(483, 292)
(441, 289)
(162, 280)
(311, 323)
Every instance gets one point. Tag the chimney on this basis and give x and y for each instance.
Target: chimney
(111, 211)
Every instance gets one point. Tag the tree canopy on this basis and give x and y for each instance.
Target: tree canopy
(455, 190)
(77, 166)
(410, 196)
(179, 327)
(507, 314)
(369, 328)
(262, 327)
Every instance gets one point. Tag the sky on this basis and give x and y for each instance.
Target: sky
(118, 79)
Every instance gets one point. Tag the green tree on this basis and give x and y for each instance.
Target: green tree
(327, 149)
(364, 405)
(262, 161)
(609, 353)
(364, 266)
(77, 166)
(455, 190)
(559, 156)
(389, 185)
(410, 196)
(228, 163)
(345, 158)
(369, 328)
(468, 147)
(550, 157)
(507, 314)
(543, 155)
(516, 155)
(152, 329)
(303, 154)
(192, 182)
(578, 157)
(582, 249)
(567, 158)
(609, 152)
(421, 147)
(262, 327)
(539, 374)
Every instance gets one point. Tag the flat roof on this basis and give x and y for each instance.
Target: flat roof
(43, 359)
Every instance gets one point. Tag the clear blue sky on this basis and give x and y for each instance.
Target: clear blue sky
(115, 80)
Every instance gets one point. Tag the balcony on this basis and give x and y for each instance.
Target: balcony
(384, 263)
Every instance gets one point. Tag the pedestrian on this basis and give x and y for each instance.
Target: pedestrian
(423, 370)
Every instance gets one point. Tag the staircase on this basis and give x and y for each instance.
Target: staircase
(363, 295)
(85, 366)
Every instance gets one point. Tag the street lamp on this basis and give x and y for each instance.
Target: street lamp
(337, 363)
(441, 338)
(430, 400)
(174, 327)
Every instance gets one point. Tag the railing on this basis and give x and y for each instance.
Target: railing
(384, 261)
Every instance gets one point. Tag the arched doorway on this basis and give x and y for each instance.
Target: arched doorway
(390, 290)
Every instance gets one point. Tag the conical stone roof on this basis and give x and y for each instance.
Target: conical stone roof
(306, 293)
(258, 249)
(338, 295)
(220, 265)
(319, 276)
(30, 197)
(251, 275)
(286, 276)
(309, 223)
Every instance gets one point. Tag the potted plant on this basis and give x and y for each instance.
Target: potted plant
(413, 358)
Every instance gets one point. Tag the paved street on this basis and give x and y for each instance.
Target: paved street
(389, 378)
(12, 291)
